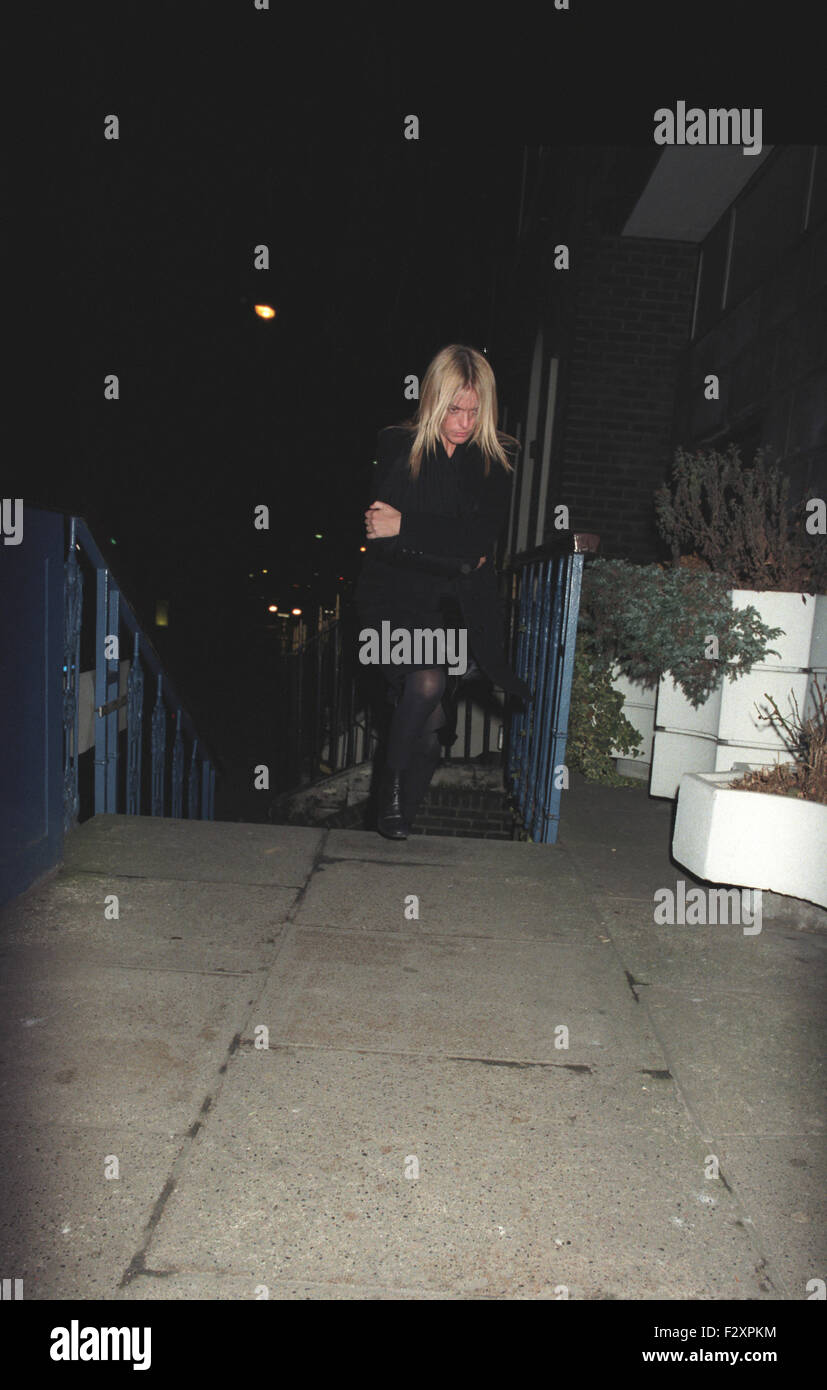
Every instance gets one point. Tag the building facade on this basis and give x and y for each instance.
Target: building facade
(658, 299)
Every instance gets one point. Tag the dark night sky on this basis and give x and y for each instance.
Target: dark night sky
(238, 129)
(381, 250)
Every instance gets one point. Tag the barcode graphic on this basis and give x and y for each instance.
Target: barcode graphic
(18, 1288)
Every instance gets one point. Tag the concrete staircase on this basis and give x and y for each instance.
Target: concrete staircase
(465, 799)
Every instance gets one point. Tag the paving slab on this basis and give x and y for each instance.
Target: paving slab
(66, 1229)
(591, 814)
(613, 874)
(455, 996)
(178, 924)
(780, 1185)
(203, 851)
(620, 840)
(306, 1156)
(763, 1076)
(215, 1287)
(719, 956)
(111, 1046)
(506, 901)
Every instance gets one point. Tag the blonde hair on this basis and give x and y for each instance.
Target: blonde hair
(456, 369)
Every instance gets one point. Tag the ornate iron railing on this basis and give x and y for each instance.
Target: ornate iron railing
(331, 717)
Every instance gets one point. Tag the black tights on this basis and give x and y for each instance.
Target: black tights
(417, 717)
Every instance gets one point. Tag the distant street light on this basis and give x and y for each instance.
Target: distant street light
(265, 311)
(296, 612)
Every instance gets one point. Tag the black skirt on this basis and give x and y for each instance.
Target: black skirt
(447, 615)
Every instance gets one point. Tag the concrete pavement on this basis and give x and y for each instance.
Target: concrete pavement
(346, 1068)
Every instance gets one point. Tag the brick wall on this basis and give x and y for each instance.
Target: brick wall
(632, 319)
(483, 815)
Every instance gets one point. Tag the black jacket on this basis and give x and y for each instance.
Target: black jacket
(383, 590)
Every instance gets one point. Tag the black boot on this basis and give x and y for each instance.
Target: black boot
(391, 820)
(420, 770)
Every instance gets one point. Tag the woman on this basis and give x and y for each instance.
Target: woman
(441, 497)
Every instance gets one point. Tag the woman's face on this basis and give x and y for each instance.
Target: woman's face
(461, 418)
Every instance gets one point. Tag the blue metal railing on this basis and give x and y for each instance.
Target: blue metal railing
(544, 611)
(113, 613)
(49, 709)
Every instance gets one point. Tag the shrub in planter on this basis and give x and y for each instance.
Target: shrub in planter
(736, 520)
(725, 833)
(806, 740)
(597, 724)
(649, 619)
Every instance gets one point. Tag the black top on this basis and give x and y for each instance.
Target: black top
(455, 509)
(438, 493)
(452, 508)
(437, 485)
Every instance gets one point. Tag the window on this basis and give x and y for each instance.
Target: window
(818, 197)
(712, 270)
(769, 219)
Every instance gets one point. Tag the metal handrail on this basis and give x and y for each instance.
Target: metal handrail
(330, 724)
(543, 618)
(112, 611)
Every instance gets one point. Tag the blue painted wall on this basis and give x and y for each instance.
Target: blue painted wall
(31, 697)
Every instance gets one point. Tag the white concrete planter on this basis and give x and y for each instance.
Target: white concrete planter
(639, 708)
(751, 839)
(726, 728)
(685, 739)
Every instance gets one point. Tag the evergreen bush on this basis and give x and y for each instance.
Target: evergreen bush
(597, 723)
(650, 620)
(737, 521)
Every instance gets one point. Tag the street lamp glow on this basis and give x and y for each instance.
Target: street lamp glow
(272, 608)
(265, 311)
(296, 612)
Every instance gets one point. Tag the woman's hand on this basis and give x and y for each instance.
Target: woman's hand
(381, 520)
